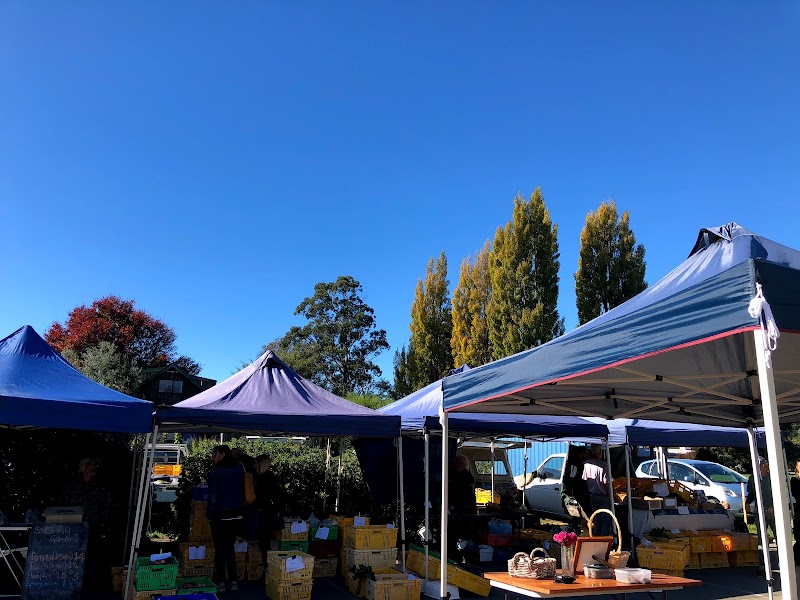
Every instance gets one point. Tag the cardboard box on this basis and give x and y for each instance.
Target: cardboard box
(649, 504)
(63, 514)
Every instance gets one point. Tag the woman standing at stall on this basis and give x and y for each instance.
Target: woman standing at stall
(225, 511)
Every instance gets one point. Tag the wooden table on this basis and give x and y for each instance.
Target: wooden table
(583, 586)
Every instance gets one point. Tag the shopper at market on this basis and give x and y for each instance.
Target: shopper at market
(751, 504)
(225, 510)
(269, 497)
(250, 528)
(574, 484)
(462, 487)
(595, 474)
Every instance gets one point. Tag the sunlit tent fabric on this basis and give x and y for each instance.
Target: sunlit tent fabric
(644, 432)
(38, 388)
(682, 350)
(421, 408)
(271, 398)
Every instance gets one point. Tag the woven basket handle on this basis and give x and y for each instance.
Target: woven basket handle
(538, 550)
(613, 516)
(519, 556)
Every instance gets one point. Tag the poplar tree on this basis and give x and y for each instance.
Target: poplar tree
(470, 342)
(431, 326)
(523, 267)
(611, 265)
(403, 370)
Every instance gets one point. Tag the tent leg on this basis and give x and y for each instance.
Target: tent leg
(762, 521)
(627, 449)
(339, 483)
(524, 474)
(491, 445)
(134, 492)
(325, 480)
(445, 501)
(401, 476)
(780, 493)
(427, 498)
(144, 489)
(610, 482)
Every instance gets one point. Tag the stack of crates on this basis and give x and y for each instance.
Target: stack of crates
(372, 546)
(154, 579)
(289, 575)
(199, 527)
(324, 547)
(342, 523)
(196, 559)
(284, 539)
(255, 562)
(241, 551)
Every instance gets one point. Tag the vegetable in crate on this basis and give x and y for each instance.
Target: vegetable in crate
(362, 573)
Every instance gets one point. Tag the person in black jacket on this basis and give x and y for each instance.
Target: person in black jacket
(225, 511)
(269, 496)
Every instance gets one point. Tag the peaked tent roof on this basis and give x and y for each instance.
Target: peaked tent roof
(682, 350)
(421, 408)
(268, 396)
(38, 388)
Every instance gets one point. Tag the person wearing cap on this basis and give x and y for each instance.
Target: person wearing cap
(595, 474)
(751, 504)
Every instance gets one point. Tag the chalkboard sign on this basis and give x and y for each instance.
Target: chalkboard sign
(54, 567)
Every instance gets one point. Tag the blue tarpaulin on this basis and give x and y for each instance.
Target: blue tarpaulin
(682, 350)
(38, 388)
(643, 432)
(421, 408)
(269, 397)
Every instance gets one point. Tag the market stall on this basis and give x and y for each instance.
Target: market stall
(39, 389)
(269, 398)
(700, 346)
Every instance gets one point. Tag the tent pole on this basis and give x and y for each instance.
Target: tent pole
(524, 474)
(491, 445)
(133, 492)
(610, 480)
(627, 448)
(325, 478)
(780, 493)
(401, 475)
(144, 488)
(762, 521)
(445, 501)
(339, 484)
(427, 498)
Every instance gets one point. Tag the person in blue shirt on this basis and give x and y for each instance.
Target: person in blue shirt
(225, 512)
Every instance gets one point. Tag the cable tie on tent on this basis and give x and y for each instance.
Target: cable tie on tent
(659, 378)
(759, 309)
(751, 372)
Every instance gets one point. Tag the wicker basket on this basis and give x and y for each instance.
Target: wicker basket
(617, 559)
(537, 565)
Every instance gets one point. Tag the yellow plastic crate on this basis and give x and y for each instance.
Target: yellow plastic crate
(672, 573)
(378, 558)
(255, 571)
(286, 535)
(370, 536)
(753, 543)
(694, 561)
(665, 556)
(393, 586)
(149, 594)
(289, 589)
(735, 542)
(415, 562)
(276, 565)
(325, 567)
(714, 560)
(343, 522)
(743, 558)
(468, 581)
(485, 496)
(702, 543)
(185, 548)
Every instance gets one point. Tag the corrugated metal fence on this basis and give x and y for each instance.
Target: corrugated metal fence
(537, 453)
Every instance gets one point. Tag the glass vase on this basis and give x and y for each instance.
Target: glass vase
(568, 560)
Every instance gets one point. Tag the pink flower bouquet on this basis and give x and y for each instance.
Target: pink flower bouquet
(565, 538)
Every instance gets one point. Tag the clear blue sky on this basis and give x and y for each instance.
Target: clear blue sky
(214, 160)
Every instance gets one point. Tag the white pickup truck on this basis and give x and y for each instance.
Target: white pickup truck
(544, 488)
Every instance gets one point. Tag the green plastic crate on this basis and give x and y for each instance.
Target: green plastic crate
(156, 577)
(195, 585)
(332, 534)
(298, 546)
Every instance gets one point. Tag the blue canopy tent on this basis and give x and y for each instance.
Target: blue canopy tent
(420, 411)
(38, 388)
(698, 346)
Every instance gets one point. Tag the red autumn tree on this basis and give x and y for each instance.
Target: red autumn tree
(133, 332)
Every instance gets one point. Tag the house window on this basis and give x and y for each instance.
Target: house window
(170, 386)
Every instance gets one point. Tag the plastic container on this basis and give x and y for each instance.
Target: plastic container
(632, 575)
(597, 572)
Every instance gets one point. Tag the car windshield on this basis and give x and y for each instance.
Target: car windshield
(719, 474)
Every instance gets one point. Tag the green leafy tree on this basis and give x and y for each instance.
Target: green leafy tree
(523, 267)
(611, 266)
(336, 348)
(107, 366)
(470, 341)
(431, 326)
(403, 369)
